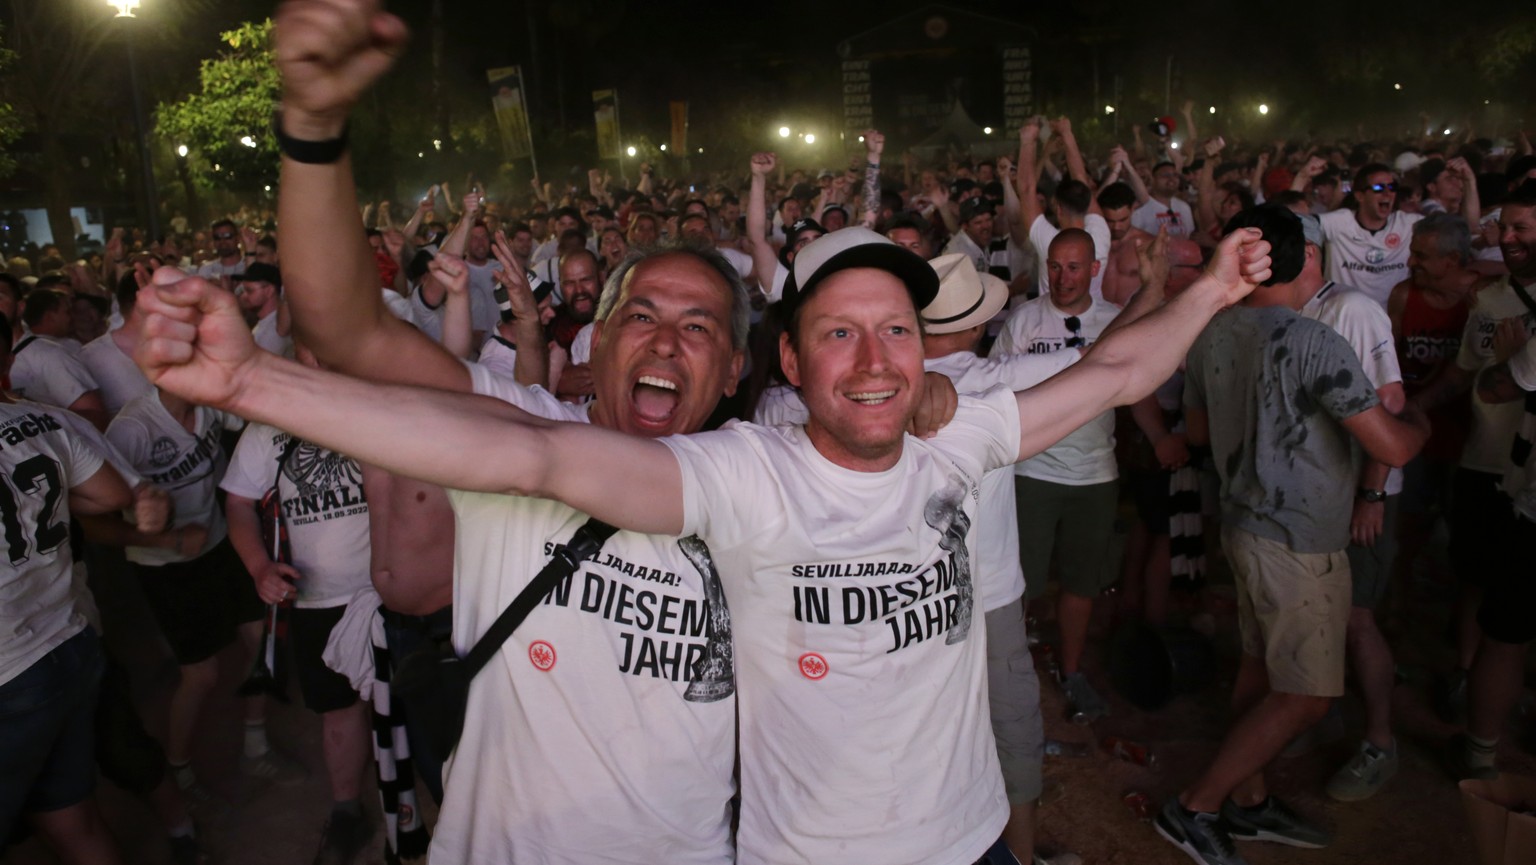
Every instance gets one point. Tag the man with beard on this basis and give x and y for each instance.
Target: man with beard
(1368, 247)
(259, 291)
(229, 259)
(571, 328)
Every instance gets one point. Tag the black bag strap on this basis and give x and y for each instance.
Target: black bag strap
(23, 344)
(583, 545)
(1525, 296)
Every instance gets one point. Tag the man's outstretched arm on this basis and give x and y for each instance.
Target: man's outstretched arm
(1132, 361)
(329, 53)
(196, 345)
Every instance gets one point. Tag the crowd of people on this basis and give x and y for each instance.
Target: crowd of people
(648, 524)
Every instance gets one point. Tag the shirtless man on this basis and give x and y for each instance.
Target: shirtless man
(1122, 278)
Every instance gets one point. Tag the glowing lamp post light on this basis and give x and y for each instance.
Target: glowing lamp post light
(1263, 109)
(125, 9)
(783, 131)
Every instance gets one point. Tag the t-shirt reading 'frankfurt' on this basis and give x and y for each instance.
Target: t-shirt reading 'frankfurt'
(865, 733)
(604, 730)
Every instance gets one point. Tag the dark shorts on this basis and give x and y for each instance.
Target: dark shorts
(1478, 511)
(199, 603)
(1150, 491)
(1076, 524)
(1508, 610)
(47, 750)
(1370, 568)
(324, 689)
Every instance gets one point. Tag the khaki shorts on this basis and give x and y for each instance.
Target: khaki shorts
(1292, 610)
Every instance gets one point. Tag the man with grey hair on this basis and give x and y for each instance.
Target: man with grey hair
(641, 624)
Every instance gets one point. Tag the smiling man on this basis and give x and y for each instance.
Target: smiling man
(601, 731)
(1368, 247)
(849, 559)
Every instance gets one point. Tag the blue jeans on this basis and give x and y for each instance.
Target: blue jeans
(47, 732)
(998, 854)
(403, 635)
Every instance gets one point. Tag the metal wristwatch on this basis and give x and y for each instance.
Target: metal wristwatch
(1372, 496)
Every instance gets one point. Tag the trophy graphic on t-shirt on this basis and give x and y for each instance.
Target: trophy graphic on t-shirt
(944, 513)
(713, 677)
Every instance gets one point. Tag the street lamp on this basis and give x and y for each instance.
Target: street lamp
(810, 138)
(630, 150)
(783, 131)
(125, 9)
(1263, 109)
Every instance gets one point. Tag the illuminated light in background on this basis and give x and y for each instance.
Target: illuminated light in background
(248, 141)
(124, 7)
(810, 138)
(1447, 132)
(437, 144)
(1397, 87)
(663, 148)
(1263, 109)
(1213, 109)
(182, 151)
(986, 130)
(630, 150)
(1174, 145)
(783, 131)
(1109, 109)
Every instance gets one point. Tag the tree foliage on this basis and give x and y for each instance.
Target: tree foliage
(10, 121)
(232, 105)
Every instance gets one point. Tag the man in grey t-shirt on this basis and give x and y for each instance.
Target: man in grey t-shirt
(1278, 397)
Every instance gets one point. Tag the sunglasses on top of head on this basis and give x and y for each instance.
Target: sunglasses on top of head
(1075, 325)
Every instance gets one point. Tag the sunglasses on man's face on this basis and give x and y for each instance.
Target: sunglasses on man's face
(1382, 187)
(223, 237)
(1075, 325)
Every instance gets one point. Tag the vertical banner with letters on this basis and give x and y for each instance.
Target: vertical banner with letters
(679, 128)
(858, 110)
(605, 108)
(510, 106)
(1018, 91)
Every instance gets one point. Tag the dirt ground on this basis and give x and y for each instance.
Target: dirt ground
(1417, 818)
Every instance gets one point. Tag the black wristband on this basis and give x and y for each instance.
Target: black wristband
(308, 152)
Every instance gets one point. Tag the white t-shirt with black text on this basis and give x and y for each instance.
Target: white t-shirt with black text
(603, 732)
(40, 462)
(187, 464)
(321, 497)
(865, 734)
(1087, 454)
